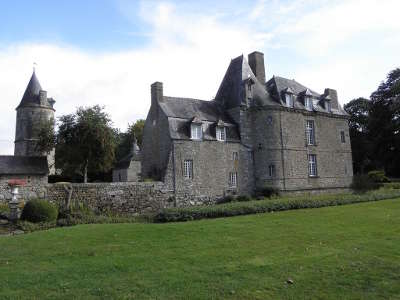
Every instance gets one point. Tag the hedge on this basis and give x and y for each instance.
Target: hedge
(269, 205)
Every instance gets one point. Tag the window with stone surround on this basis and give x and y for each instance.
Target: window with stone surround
(312, 165)
(221, 133)
(188, 169)
(310, 132)
(196, 132)
(342, 137)
(328, 106)
(233, 179)
(271, 170)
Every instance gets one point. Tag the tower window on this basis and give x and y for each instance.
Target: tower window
(271, 171)
(312, 165)
(342, 137)
(233, 179)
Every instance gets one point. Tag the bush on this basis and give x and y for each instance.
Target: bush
(362, 183)
(30, 227)
(378, 176)
(243, 198)
(36, 211)
(267, 191)
(268, 205)
(225, 199)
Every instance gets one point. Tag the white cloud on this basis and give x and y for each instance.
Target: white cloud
(190, 52)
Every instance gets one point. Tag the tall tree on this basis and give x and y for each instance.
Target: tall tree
(85, 142)
(384, 124)
(358, 109)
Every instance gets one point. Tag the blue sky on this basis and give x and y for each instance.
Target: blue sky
(108, 52)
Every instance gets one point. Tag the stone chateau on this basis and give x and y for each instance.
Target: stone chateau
(255, 133)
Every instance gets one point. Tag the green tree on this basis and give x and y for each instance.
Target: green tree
(85, 142)
(126, 139)
(384, 124)
(46, 136)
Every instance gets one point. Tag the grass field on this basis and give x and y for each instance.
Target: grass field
(349, 252)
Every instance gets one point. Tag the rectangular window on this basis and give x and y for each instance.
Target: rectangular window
(328, 106)
(342, 137)
(310, 132)
(312, 165)
(233, 179)
(308, 103)
(235, 156)
(221, 133)
(289, 100)
(196, 132)
(271, 170)
(188, 169)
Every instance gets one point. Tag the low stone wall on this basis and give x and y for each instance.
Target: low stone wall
(36, 187)
(121, 197)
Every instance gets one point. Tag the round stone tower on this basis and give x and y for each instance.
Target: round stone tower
(34, 109)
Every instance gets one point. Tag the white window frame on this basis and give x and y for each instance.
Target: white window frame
(310, 132)
(221, 133)
(328, 106)
(196, 131)
(233, 179)
(308, 103)
(289, 100)
(188, 169)
(271, 170)
(312, 165)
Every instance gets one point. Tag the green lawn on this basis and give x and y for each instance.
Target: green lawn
(350, 252)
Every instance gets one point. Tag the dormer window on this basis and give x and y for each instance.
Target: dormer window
(308, 103)
(328, 106)
(196, 131)
(289, 100)
(221, 133)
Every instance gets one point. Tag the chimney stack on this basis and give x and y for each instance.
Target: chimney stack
(256, 62)
(334, 97)
(156, 93)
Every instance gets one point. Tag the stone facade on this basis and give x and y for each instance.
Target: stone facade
(265, 138)
(35, 188)
(34, 109)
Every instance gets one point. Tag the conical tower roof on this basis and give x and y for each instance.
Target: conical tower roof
(31, 95)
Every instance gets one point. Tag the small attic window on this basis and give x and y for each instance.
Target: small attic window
(308, 103)
(196, 131)
(221, 133)
(289, 100)
(328, 106)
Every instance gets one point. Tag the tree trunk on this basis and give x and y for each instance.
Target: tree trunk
(85, 168)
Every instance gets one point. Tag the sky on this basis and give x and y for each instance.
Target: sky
(108, 52)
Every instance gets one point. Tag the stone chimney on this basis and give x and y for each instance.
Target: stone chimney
(334, 97)
(256, 62)
(156, 93)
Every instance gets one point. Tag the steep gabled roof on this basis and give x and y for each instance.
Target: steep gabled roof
(296, 88)
(23, 165)
(231, 90)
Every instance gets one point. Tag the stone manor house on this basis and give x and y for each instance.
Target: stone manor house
(255, 133)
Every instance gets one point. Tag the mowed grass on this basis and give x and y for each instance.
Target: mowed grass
(348, 252)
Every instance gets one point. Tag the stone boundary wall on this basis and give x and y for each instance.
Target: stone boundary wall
(119, 197)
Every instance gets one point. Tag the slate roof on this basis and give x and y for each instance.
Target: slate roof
(182, 111)
(32, 93)
(23, 165)
(231, 89)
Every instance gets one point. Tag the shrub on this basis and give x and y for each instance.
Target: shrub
(36, 211)
(378, 176)
(243, 198)
(362, 183)
(267, 191)
(225, 199)
(268, 205)
(30, 227)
